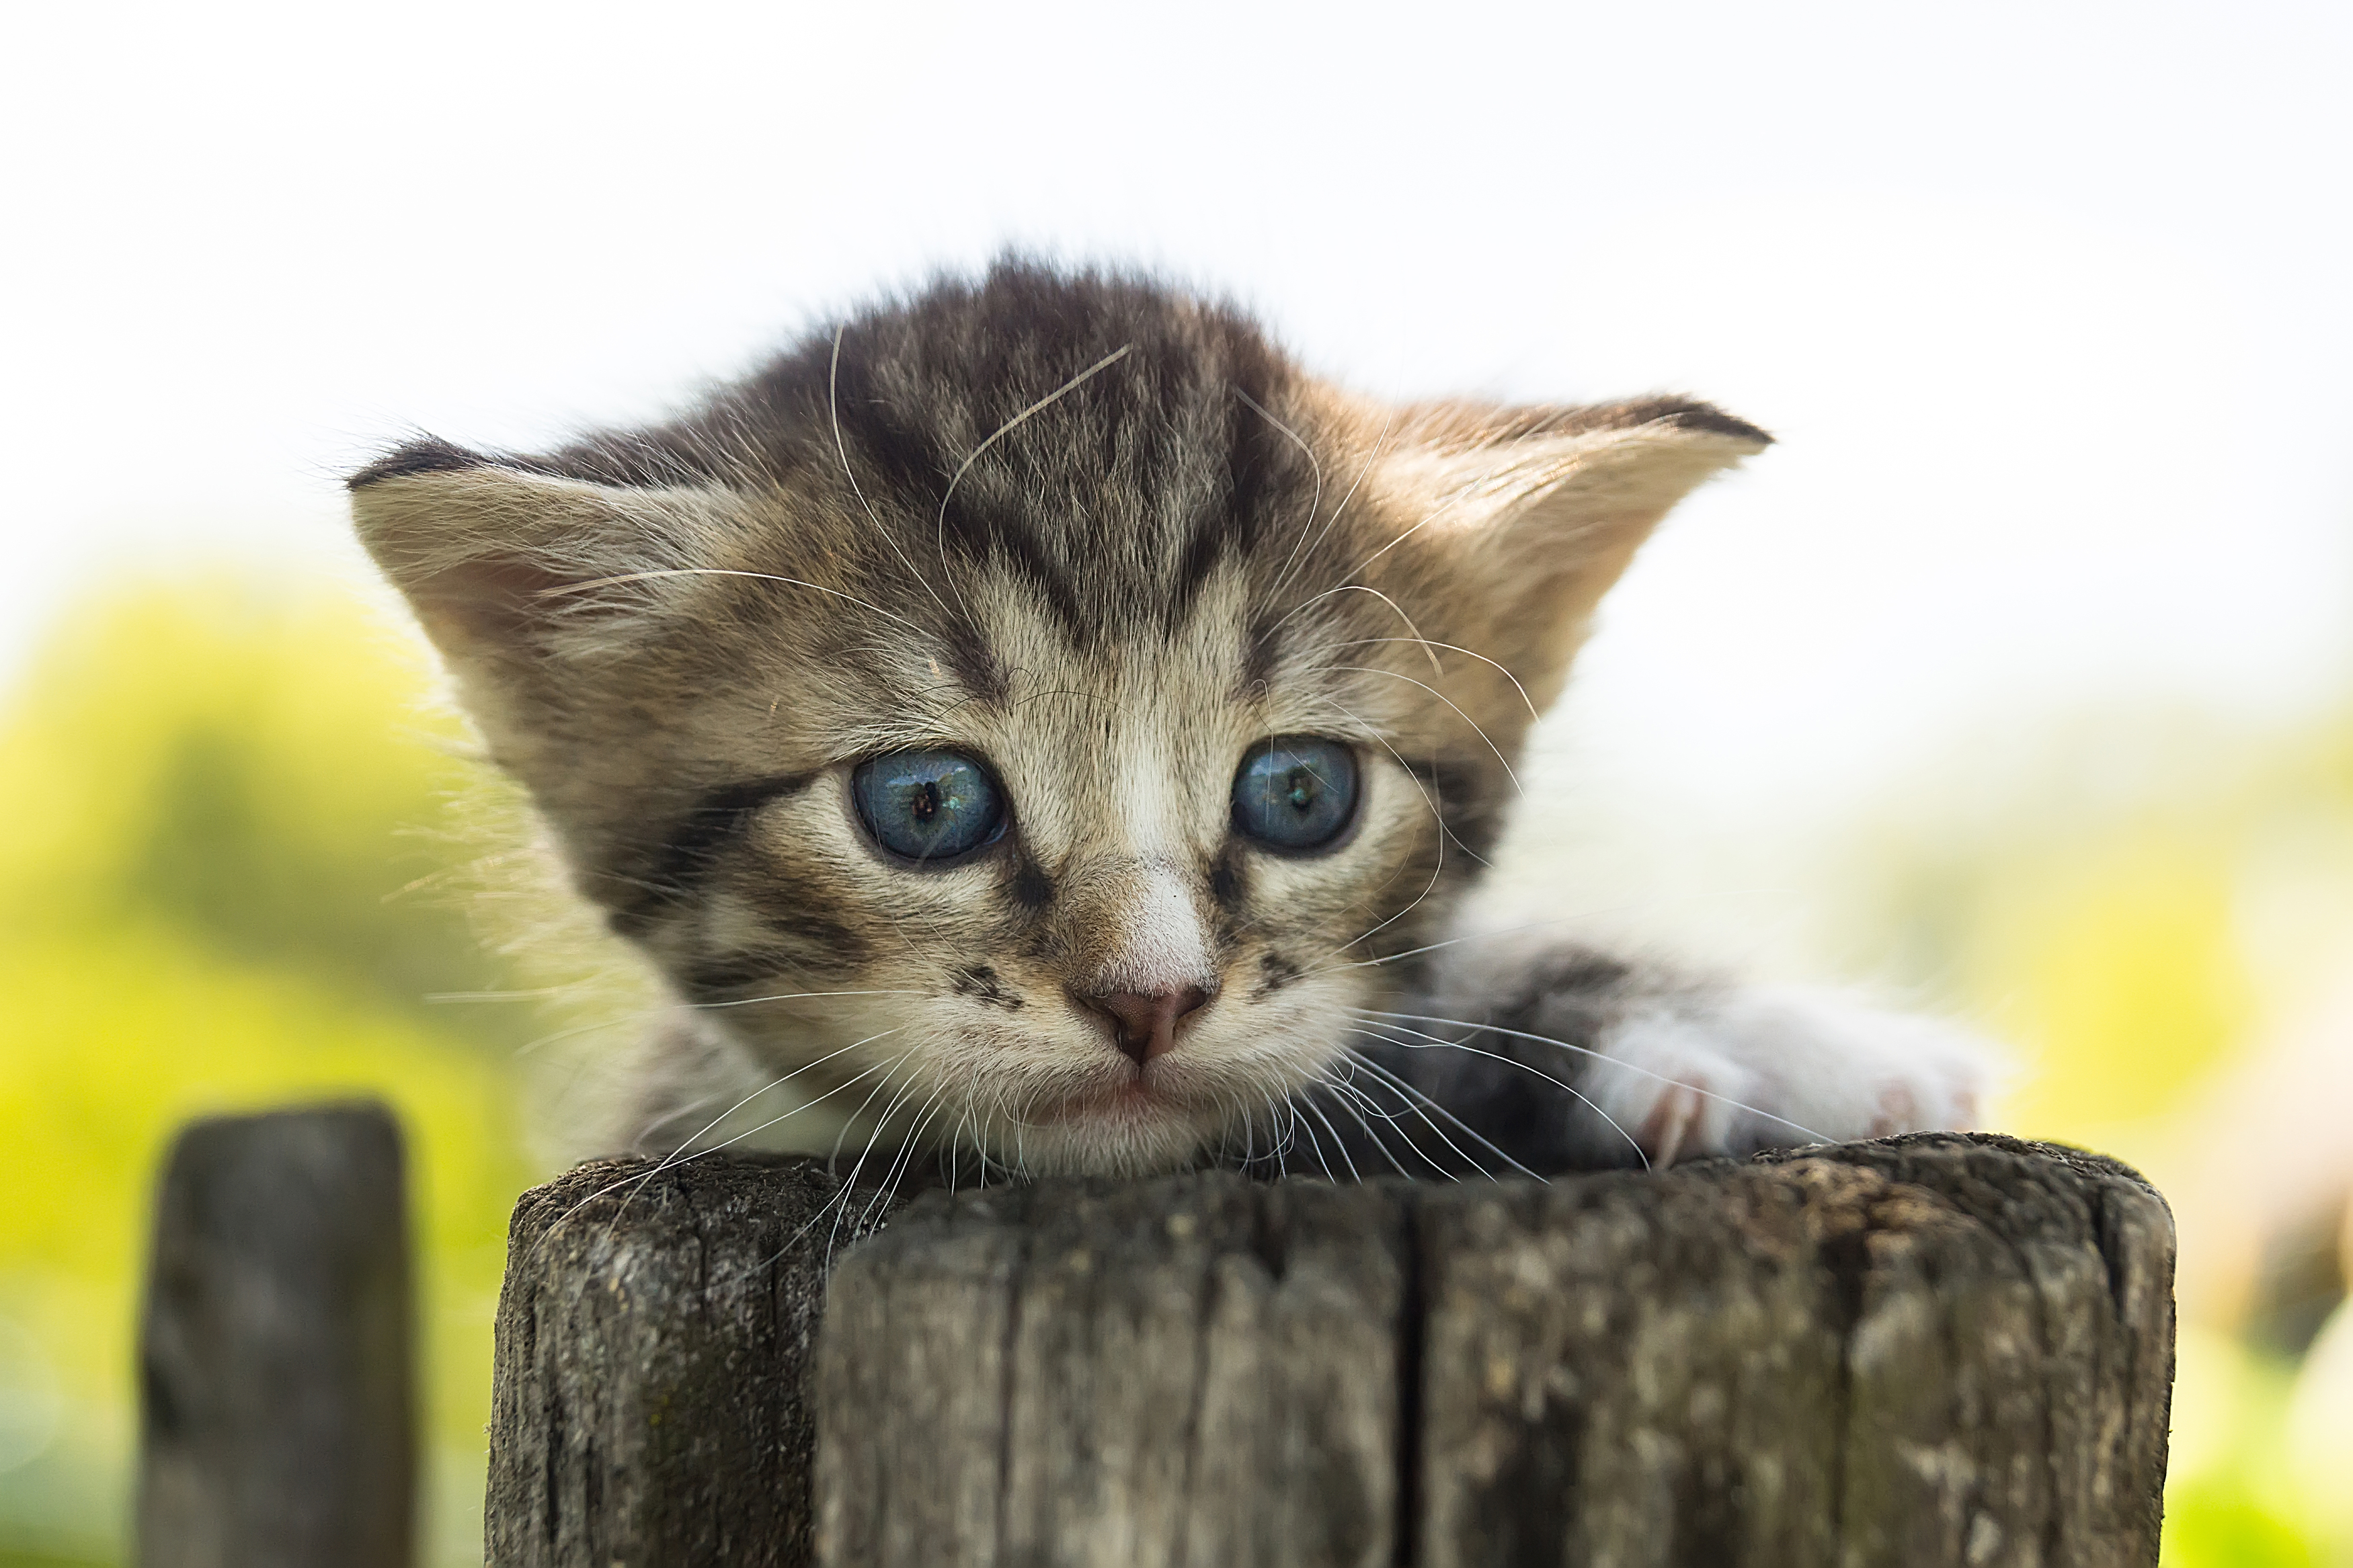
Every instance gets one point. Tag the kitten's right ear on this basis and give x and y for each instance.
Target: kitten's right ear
(1516, 522)
(504, 564)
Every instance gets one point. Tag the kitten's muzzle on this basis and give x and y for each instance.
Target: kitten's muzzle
(1144, 1022)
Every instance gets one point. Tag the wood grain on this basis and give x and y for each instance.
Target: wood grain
(1925, 1351)
(277, 1422)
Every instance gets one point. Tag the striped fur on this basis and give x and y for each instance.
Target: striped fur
(1102, 535)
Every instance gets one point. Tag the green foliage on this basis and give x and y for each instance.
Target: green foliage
(2209, 1526)
(226, 882)
(2229, 1500)
(231, 877)
(2134, 914)
(2104, 909)
(255, 767)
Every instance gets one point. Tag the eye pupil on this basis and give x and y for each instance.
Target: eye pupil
(926, 802)
(1295, 792)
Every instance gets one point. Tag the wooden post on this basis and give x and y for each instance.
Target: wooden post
(276, 1426)
(648, 1403)
(1935, 1350)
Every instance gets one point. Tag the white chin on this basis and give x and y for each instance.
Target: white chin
(1123, 1135)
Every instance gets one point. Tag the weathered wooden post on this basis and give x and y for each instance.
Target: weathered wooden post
(649, 1404)
(1935, 1350)
(277, 1421)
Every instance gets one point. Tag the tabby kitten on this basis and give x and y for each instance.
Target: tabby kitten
(1041, 709)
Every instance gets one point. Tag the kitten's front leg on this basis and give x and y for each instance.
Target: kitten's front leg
(1566, 1057)
(1767, 1068)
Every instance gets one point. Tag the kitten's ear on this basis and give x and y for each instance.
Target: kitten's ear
(1520, 520)
(504, 566)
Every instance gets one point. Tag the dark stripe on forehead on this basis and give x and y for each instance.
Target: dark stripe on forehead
(1013, 545)
(1068, 498)
(1258, 459)
(1201, 557)
(973, 662)
(1262, 649)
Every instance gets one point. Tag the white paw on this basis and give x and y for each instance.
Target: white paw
(1669, 1088)
(1772, 1068)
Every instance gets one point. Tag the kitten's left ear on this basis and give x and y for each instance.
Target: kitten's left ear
(1516, 522)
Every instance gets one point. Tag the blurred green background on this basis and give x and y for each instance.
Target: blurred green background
(236, 872)
(224, 884)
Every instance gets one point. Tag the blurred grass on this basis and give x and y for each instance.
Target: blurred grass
(213, 795)
(229, 878)
(2133, 908)
(2139, 909)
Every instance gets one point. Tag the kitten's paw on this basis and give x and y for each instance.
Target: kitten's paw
(1767, 1068)
(1670, 1089)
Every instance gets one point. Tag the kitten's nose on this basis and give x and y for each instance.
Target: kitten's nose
(1144, 1021)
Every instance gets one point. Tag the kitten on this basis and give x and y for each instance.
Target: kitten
(1041, 709)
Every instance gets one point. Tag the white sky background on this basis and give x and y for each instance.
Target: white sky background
(2049, 304)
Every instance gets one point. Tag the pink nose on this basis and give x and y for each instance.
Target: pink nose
(1144, 1021)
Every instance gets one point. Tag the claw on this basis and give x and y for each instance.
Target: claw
(1898, 1110)
(1669, 1124)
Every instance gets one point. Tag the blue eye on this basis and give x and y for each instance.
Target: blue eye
(927, 805)
(1295, 792)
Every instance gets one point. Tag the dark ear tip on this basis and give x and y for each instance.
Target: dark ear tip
(1715, 421)
(427, 455)
(1690, 414)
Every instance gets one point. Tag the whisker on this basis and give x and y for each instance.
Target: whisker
(1291, 564)
(774, 1083)
(795, 1110)
(1465, 652)
(1338, 1142)
(850, 1184)
(888, 1187)
(1357, 588)
(1475, 726)
(1436, 871)
(940, 530)
(571, 1033)
(562, 588)
(1462, 494)
(1316, 501)
(797, 996)
(1452, 942)
(614, 1185)
(1427, 1104)
(1597, 1056)
(834, 1156)
(1434, 1043)
(833, 411)
(1345, 1085)
(1377, 1142)
(537, 994)
(1299, 1125)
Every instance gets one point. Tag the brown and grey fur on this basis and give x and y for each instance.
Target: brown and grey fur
(1104, 536)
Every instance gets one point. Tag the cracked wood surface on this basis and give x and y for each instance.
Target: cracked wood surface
(1930, 1350)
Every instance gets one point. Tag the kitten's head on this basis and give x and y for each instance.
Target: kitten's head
(1038, 697)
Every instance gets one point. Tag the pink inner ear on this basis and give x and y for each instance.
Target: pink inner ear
(492, 604)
